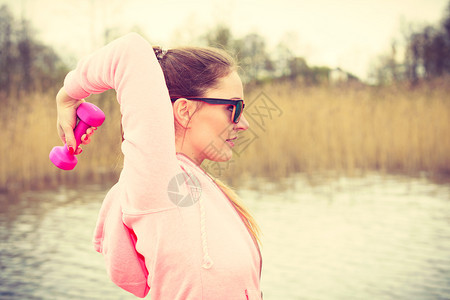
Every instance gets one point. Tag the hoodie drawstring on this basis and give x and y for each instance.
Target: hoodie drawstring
(194, 185)
(207, 261)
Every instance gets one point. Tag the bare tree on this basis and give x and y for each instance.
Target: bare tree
(6, 54)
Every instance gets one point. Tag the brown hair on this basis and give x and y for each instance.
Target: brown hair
(191, 72)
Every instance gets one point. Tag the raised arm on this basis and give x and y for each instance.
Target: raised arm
(129, 66)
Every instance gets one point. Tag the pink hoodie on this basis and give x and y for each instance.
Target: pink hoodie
(165, 227)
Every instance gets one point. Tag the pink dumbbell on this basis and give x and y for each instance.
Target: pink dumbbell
(89, 116)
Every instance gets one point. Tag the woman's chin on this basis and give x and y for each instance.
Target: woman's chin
(223, 156)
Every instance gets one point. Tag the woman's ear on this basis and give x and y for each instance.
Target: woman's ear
(183, 111)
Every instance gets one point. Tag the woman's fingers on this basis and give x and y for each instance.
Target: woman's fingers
(67, 118)
(78, 151)
(68, 137)
(86, 138)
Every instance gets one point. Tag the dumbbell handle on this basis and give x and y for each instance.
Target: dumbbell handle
(79, 130)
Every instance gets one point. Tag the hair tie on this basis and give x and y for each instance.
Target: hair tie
(160, 53)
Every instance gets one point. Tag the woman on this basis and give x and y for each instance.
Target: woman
(167, 227)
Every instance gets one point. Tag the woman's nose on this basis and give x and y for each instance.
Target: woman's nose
(243, 123)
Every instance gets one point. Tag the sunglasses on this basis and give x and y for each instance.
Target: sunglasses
(238, 105)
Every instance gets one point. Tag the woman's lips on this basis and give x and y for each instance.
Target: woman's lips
(231, 141)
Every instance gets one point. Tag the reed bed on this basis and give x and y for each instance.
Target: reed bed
(351, 130)
(312, 130)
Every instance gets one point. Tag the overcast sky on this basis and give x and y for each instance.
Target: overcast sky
(336, 33)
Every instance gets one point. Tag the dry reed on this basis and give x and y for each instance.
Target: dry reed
(321, 129)
(351, 130)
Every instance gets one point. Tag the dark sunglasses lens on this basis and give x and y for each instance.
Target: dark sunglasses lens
(237, 112)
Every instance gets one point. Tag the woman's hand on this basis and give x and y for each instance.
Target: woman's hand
(67, 120)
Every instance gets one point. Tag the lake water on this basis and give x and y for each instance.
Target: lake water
(361, 238)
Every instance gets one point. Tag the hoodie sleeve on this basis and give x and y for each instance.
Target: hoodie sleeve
(129, 66)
